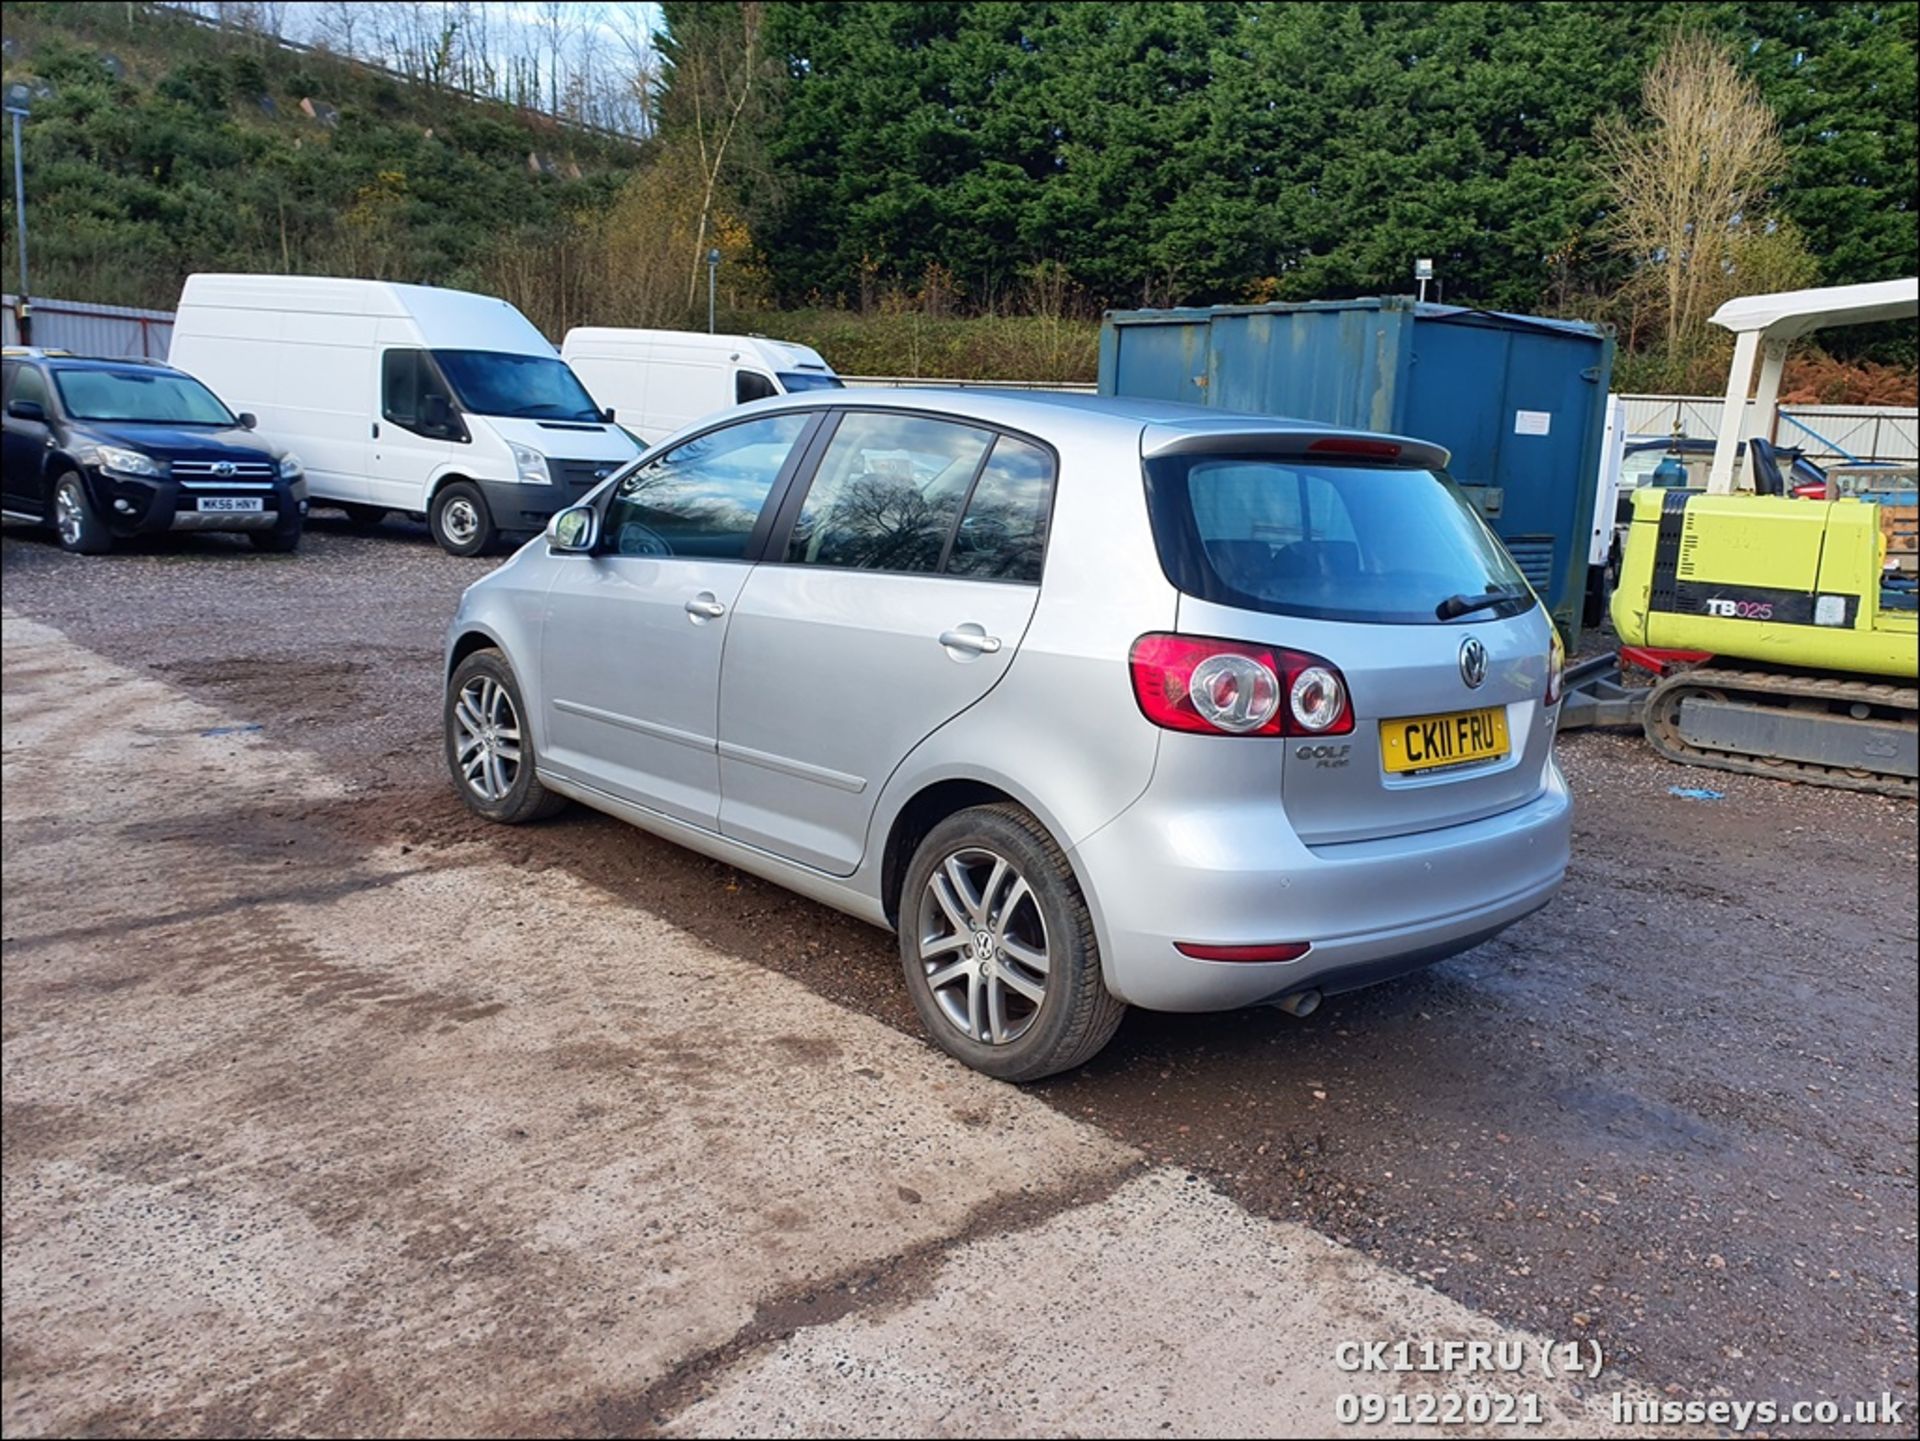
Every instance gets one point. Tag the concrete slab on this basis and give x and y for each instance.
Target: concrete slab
(1162, 1306)
(323, 1141)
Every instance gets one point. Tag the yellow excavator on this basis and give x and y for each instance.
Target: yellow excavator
(1779, 618)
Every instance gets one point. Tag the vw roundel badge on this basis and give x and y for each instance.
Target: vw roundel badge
(603, 472)
(1473, 662)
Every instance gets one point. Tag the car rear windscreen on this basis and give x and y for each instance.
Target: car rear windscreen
(1331, 542)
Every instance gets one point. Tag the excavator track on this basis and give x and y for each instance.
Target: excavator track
(1850, 733)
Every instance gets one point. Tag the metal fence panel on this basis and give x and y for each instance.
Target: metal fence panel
(1826, 432)
(925, 382)
(112, 331)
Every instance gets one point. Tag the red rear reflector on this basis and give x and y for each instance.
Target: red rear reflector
(1280, 951)
(1355, 445)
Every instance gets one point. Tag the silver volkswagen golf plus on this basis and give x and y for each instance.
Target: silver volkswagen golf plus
(1095, 702)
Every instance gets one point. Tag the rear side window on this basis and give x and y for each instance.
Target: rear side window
(886, 493)
(1331, 542)
(703, 498)
(1003, 535)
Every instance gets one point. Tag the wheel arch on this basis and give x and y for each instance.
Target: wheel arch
(444, 479)
(937, 798)
(467, 642)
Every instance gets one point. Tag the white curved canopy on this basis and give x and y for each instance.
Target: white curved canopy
(1793, 313)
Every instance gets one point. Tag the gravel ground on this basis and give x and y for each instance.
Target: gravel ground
(1674, 1112)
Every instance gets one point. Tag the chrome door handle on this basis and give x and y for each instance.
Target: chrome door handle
(970, 640)
(704, 607)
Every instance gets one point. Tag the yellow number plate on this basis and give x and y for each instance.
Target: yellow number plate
(1418, 743)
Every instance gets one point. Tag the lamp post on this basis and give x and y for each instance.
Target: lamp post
(19, 106)
(713, 269)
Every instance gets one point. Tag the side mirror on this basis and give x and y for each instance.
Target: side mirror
(248, 420)
(27, 410)
(573, 531)
(436, 413)
(606, 414)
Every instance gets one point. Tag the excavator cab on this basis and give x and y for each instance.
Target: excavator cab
(1781, 614)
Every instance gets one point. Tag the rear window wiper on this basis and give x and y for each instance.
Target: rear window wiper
(1455, 606)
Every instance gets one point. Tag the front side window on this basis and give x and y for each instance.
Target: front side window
(1332, 542)
(159, 397)
(413, 395)
(886, 493)
(27, 384)
(529, 387)
(752, 385)
(702, 498)
(1003, 535)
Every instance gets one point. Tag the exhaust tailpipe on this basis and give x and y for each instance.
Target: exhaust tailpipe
(1300, 1003)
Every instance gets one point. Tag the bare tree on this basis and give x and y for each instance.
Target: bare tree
(717, 69)
(554, 23)
(635, 63)
(1686, 189)
(343, 25)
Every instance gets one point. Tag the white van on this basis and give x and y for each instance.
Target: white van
(659, 380)
(438, 403)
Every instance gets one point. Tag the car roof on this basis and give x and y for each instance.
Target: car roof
(1161, 426)
(102, 362)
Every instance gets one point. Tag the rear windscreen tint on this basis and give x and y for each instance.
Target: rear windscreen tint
(1332, 542)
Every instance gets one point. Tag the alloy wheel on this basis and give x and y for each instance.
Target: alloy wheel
(68, 515)
(489, 738)
(983, 944)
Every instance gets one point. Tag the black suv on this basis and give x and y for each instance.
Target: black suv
(100, 449)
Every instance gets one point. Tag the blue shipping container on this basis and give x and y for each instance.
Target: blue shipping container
(1520, 401)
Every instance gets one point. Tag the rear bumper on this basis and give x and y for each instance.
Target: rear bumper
(1370, 909)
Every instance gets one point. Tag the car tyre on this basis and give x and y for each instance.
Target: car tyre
(460, 520)
(489, 745)
(75, 522)
(283, 538)
(363, 517)
(990, 915)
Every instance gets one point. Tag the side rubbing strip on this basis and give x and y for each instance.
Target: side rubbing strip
(1666, 554)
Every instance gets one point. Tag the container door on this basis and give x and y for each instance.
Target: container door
(1157, 359)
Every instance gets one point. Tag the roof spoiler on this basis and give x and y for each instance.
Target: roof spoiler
(1340, 447)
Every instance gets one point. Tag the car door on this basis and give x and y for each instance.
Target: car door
(23, 450)
(632, 637)
(875, 620)
(415, 435)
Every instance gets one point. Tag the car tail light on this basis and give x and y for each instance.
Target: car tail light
(1556, 667)
(1278, 951)
(1224, 687)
